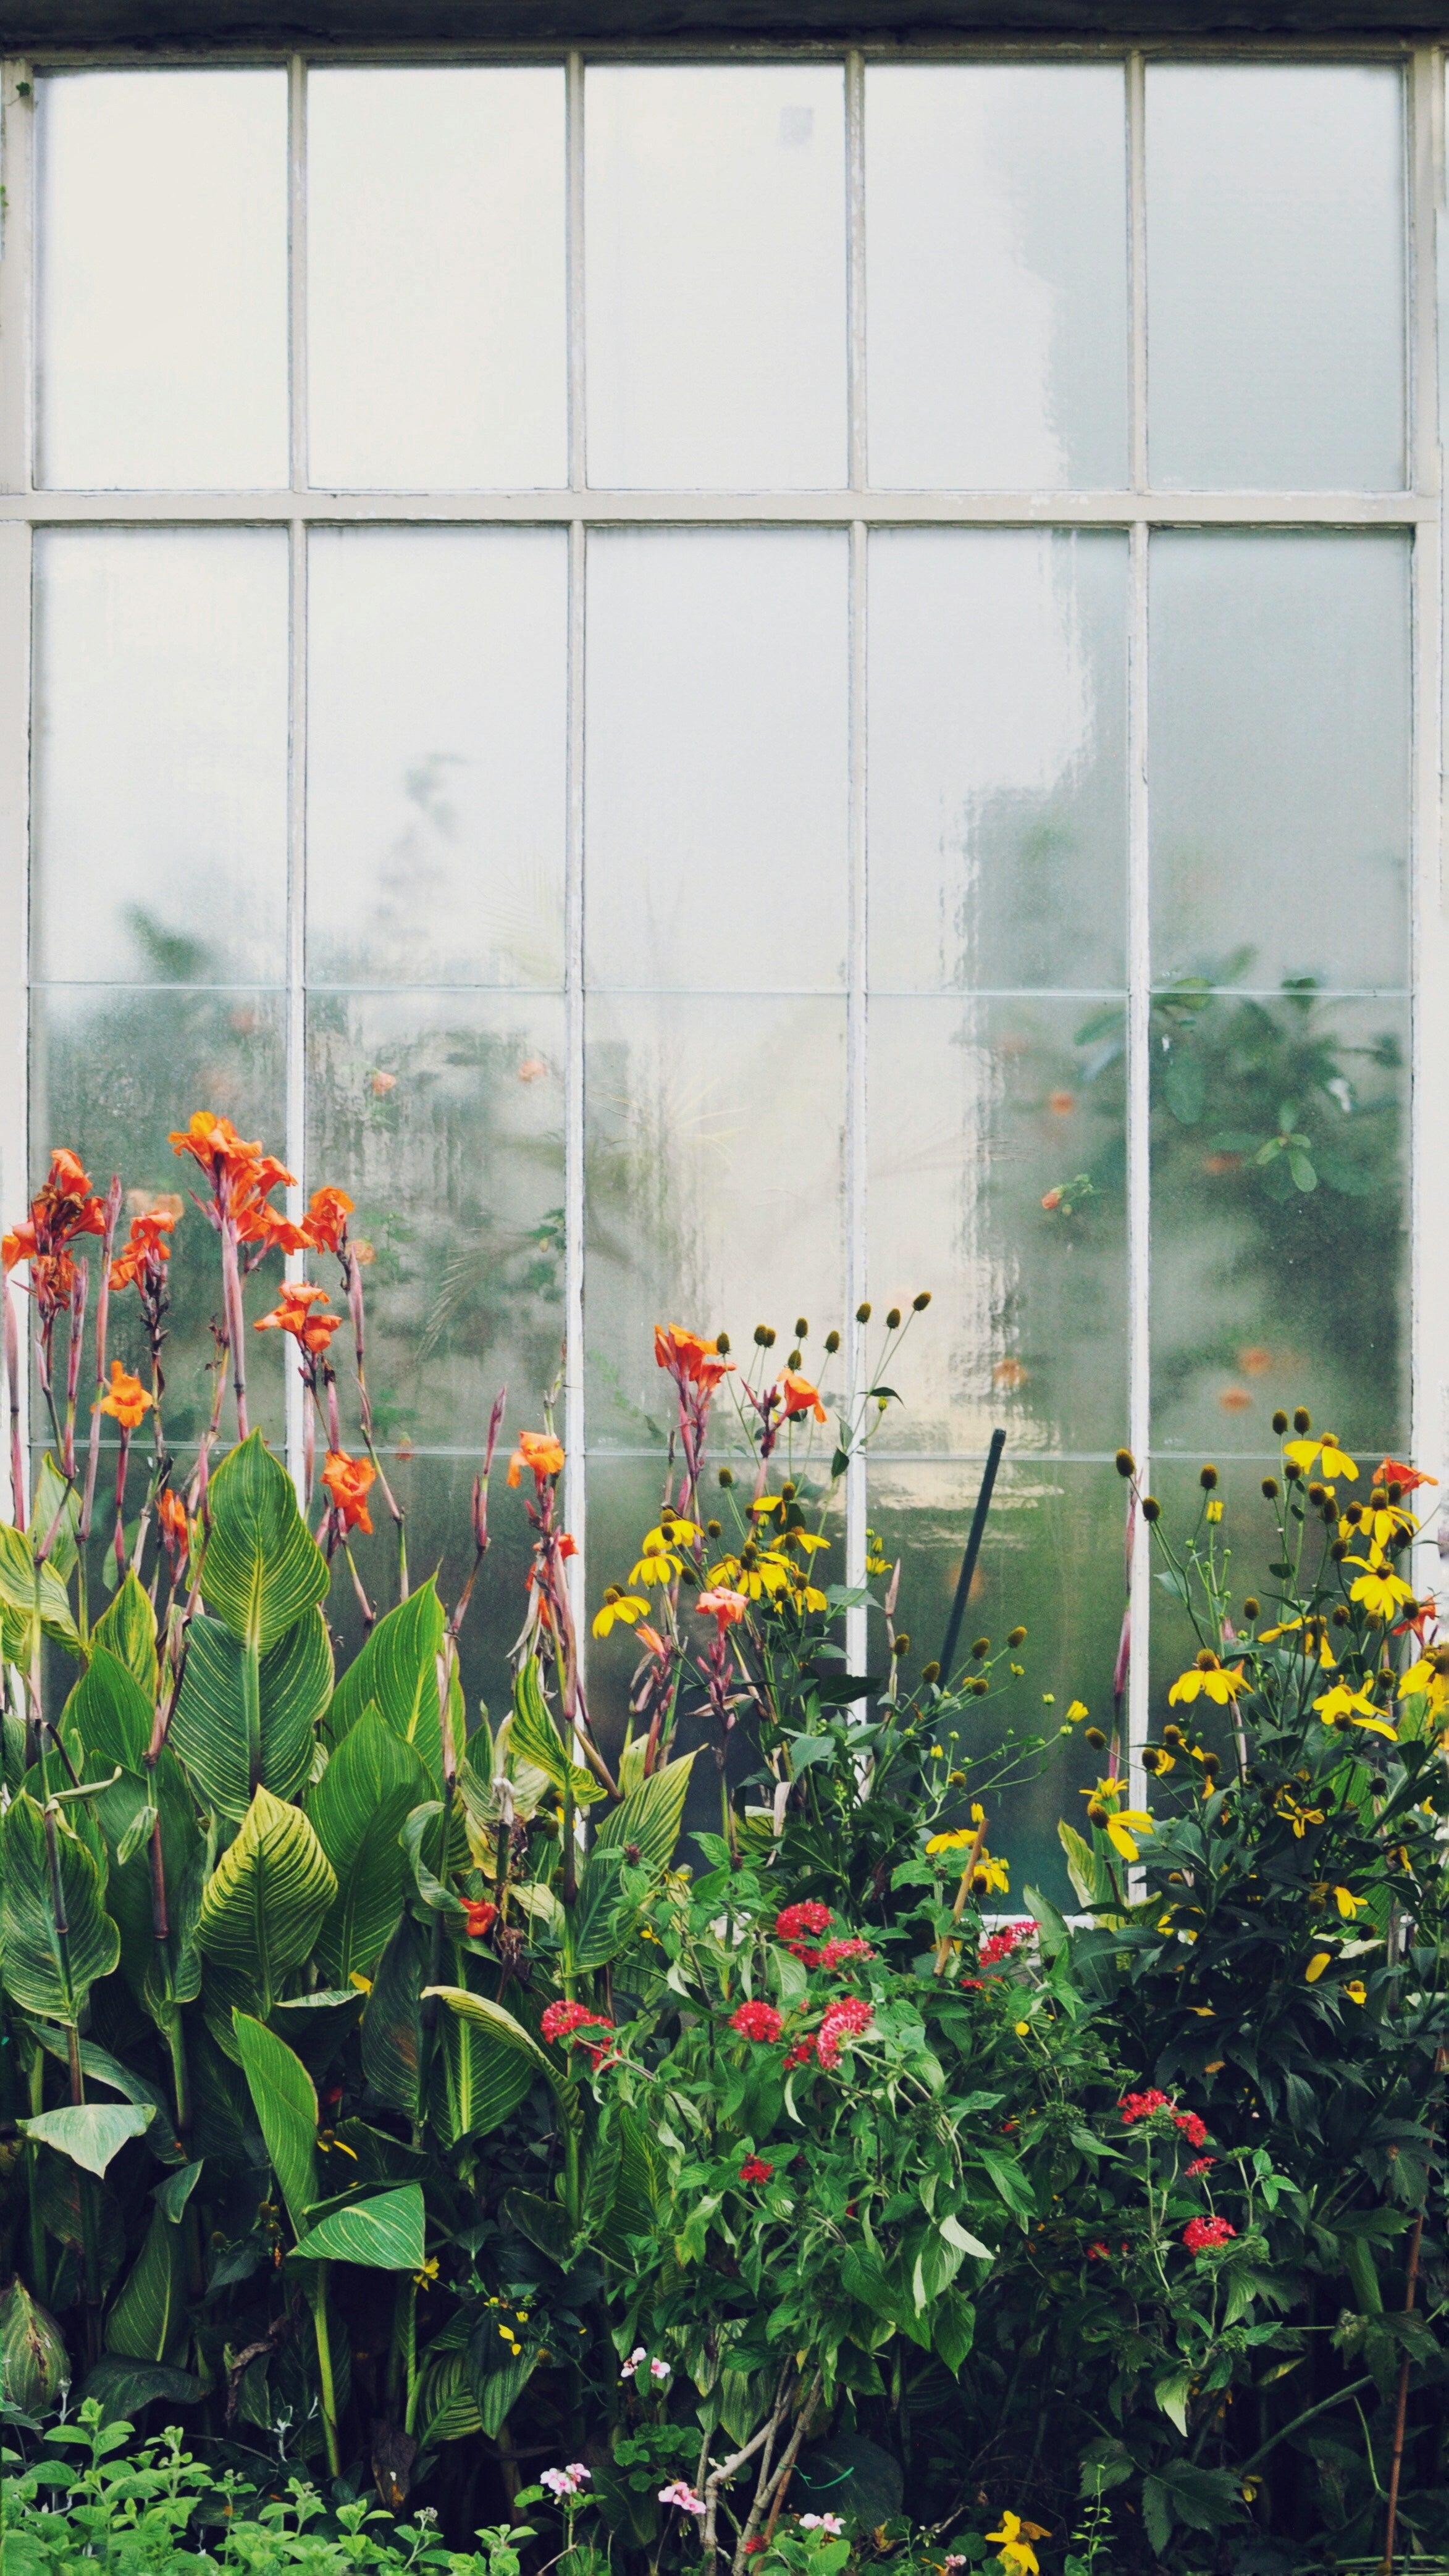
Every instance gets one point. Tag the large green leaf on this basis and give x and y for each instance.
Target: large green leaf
(490, 2022)
(34, 1595)
(124, 2386)
(397, 1671)
(260, 1911)
(359, 1808)
(593, 1927)
(99, 2067)
(160, 1974)
(262, 1566)
(387, 2233)
(535, 1739)
(127, 1630)
(148, 2321)
(392, 2024)
(46, 1971)
(286, 2107)
(476, 2082)
(649, 1818)
(90, 2133)
(234, 1738)
(107, 1716)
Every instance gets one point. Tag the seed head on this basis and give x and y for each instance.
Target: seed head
(711, 1529)
(1280, 1422)
(1302, 1418)
(862, 1312)
(901, 1645)
(1093, 1735)
(832, 1343)
(801, 1328)
(789, 1490)
(722, 1345)
(981, 1647)
(931, 1672)
(1016, 1637)
(1207, 1478)
(1151, 1508)
(725, 1476)
(794, 1359)
(1126, 1463)
(1250, 1607)
(893, 1320)
(921, 1302)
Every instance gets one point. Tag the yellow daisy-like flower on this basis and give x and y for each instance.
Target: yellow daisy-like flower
(1425, 1680)
(626, 1606)
(1344, 1701)
(1077, 1711)
(960, 1840)
(1348, 1904)
(990, 1875)
(1336, 1461)
(1013, 2543)
(1210, 1679)
(1380, 1592)
(1121, 1827)
(1300, 1818)
(1316, 1639)
(1320, 1960)
(424, 2279)
(1356, 1991)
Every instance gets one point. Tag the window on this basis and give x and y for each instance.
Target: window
(728, 685)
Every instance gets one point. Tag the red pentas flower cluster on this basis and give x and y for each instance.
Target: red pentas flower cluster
(1201, 2235)
(560, 2021)
(1000, 1945)
(850, 2018)
(1143, 2106)
(755, 2169)
(793, 1921)
(757, 2021)
(1140, 2106)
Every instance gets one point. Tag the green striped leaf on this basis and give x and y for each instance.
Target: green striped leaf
(534, 1737)
(127, 1630)
(497, 2029)
(226, 1730)
(392, 2023)
(260, 1911)
(90, 2133)
(45, 1973)
(397, 1671)
(148, 2321)
(650, 1816)
(359, 1808)
(262, 1567)
(286, 2108)
(475, 2082)
(107, 1716)
(387, 2234)
(99, 2067)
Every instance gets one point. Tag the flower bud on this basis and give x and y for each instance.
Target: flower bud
(1292, 1472)
(1212, 1764)
(1016, 1637)
(795, 1359)
(1096, 1813)
(711, 1529)
(1339, 1613)
(1302, 1418)
(901, 1645)
(893, 1320)
(862, 1312)
(1339, 1550)
(832, 1343)
(1280, 1422)
(931, 1672)
(1151, 1508)
(1315, 1493)
(1250, 1607)
(1126, 1463)
(725, 1476)
(34, 2363)
(981, 1647)
(1270, 1489)
(1094, 1736)
(920, 1303)
(722, 1345)
(788, 1490)
(980, 1686)
(801, 1328)
(1207, 1478)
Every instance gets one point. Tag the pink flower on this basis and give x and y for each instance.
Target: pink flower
(561, 2020)
(722, 1604)
(1193, 2129)
(1201, 2234)
(826, 2522)
(659, 2369)
(564, 2482)
(809, 1916)
(628, 2368)
(754, 2169)
(850, 2018)
(1200, 2165)
(682, 2495)
(756, 2021)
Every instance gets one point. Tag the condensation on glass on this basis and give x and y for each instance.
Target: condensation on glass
(437, 756)
(996, 296)
(162, 272)
(1275, 276)
(715, 275)
(436, 250)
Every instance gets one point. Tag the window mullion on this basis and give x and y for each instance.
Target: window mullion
(1139, 951)
(1429, 1255)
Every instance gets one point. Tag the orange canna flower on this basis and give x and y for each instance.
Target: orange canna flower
(327, 1214)
(145, 1246)
(347, 1481)
(1393, 1471)
(478, 1916)
(125, 1398)
(538, 1451)
(723, 1605)
(68, 1177)
(19, 1244)
(293, 1314)
(214, 1143)
(688, 1355)
(801, 1396)
(171, 1520)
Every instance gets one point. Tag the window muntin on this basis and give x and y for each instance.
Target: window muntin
(554, 1162)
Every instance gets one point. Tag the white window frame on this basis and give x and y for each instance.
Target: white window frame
(859, 507)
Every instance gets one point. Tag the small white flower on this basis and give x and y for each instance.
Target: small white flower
(829, 2523)
(682, 2495)
(659, 2370)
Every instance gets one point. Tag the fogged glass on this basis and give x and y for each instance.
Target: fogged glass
(998, 1181)
(112, 1071)
(1275, 276)
(714, 1145)
(718, 760)
(442, 1117)
(437, 324)
(433, 1494)
(1280, 1210)
(715, 277)
(1280, 758)
(162, 225)
(996, 251)
(160, 755)
(998, 768)
(436, 755)
(1051, 1562)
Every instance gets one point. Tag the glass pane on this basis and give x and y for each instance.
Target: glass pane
(1275, 276)
(1281, 1281)
(998, 769)
(718, 759)
(1280, 758)
(161, 755)
(715, 1156)
(716, 275)
(980, 1113)
(1051, 1562)
(162, 223)
(437, 328)
(112, 1071)
(442, 1116)
(436, 752)
(996, 248)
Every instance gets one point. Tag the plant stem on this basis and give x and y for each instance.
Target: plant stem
(324, 2368)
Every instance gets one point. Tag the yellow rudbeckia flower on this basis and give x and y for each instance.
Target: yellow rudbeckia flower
(1320, 1960)
(626, 1606)
(1013, 2543)
(1381, 1593)
(1336, 1461)
(1120, 1828)
(1210, 1678)
(1356, 1991)
(1344, 1701)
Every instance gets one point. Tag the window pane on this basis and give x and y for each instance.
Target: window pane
(433, 1494)
(996, 243)
(442, 1116)
(161, 755)
(112, 1071)
(1275, 276)
(718, 765)
(978, 1112)
(715, 1174)
(437, 741)
(1280, 758)
(1285, 1281)
(1051, 1562)
(163, 279)
(998, 814)
(715, 276)
(435, 252)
